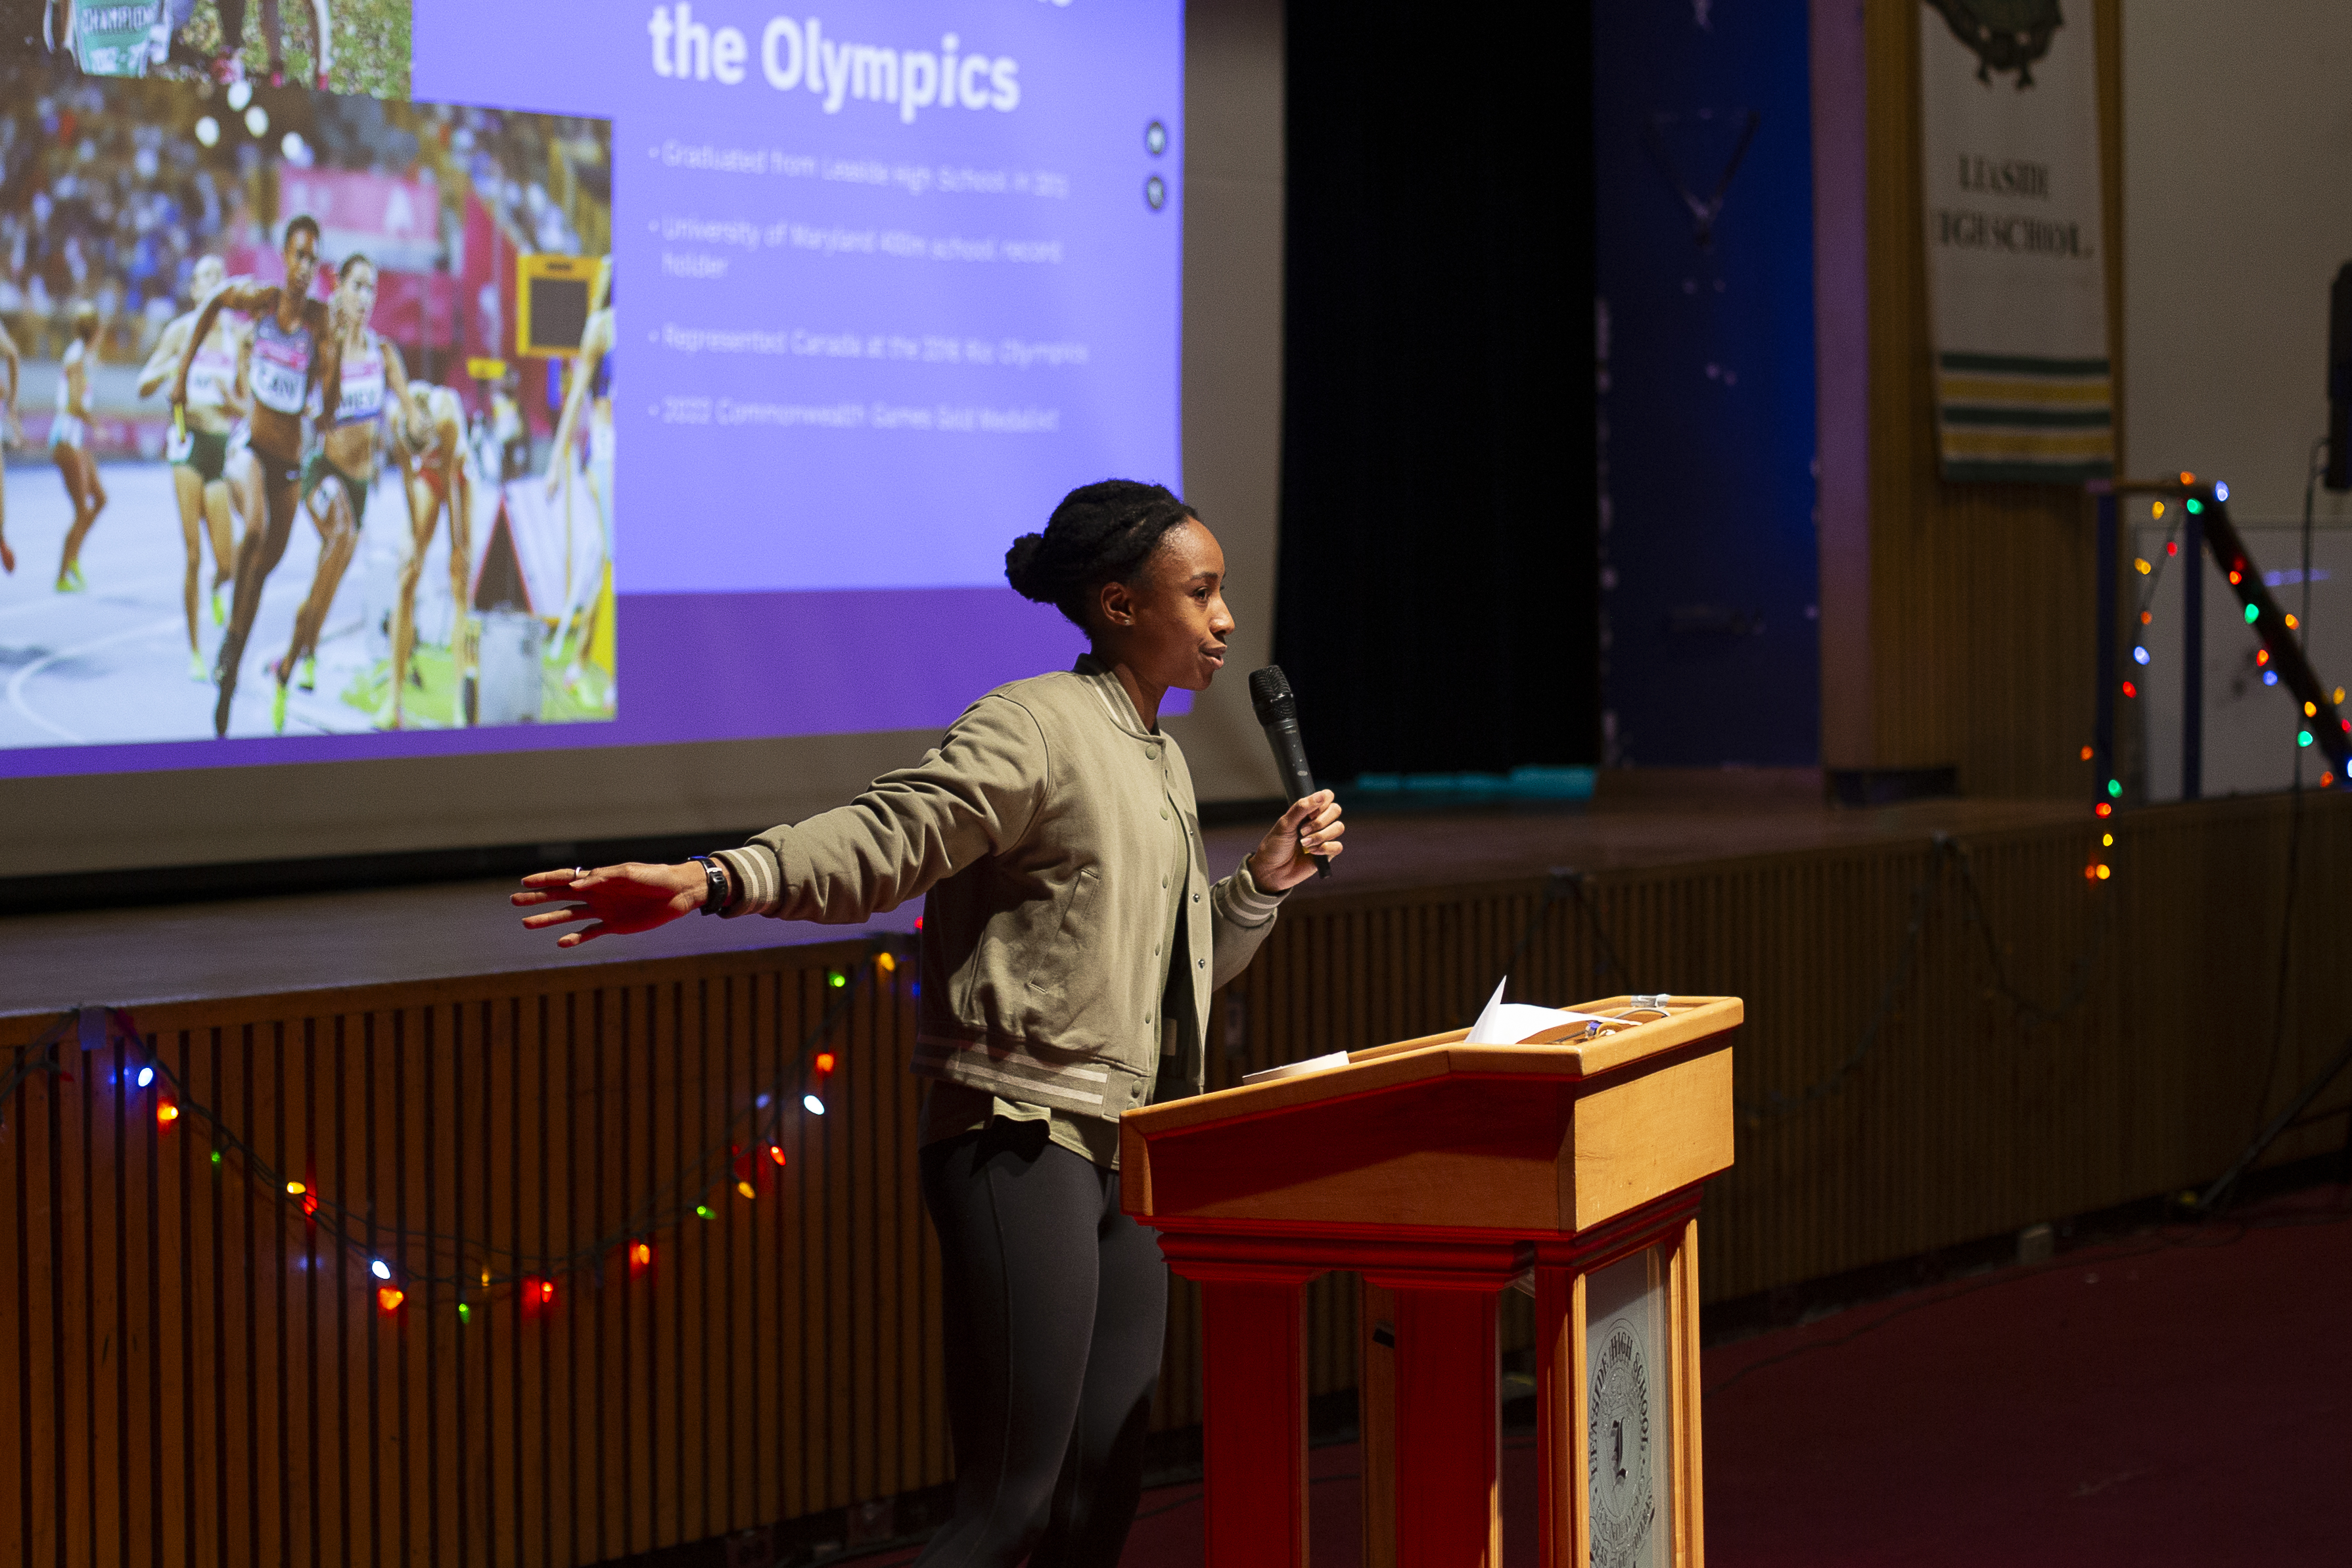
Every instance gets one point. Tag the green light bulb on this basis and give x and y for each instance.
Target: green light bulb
(216, 1156)
(2303, 737)
(2195, 506)
(465, 1313)
(2253, 614)
(702, 1211)
(2115, 786)
(836, 979)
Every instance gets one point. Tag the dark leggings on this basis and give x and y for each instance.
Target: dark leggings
(256, 556)
(1056, 1305)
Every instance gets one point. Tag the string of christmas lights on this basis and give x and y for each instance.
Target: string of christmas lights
(2101, 866)
(729, 1162)
(2268, 623)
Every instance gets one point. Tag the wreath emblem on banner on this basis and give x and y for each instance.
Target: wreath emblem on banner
(2003, 35)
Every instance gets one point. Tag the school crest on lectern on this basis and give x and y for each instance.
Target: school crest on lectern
(1617, 1450)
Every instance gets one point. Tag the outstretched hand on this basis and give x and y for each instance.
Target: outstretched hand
(621, 900)
(1307, 832)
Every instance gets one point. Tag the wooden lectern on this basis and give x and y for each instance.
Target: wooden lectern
(1444, 1174)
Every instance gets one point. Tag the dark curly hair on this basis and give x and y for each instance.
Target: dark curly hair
(1102, 532)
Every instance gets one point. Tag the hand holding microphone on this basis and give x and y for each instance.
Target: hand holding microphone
(1313, 816)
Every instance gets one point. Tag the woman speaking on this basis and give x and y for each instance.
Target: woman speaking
(1068, 950)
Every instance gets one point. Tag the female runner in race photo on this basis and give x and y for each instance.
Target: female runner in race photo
(433, 453)
(336, 480)
(199, 444)
(9, 434)
(591, 392)
(70, 444)
(293, 350)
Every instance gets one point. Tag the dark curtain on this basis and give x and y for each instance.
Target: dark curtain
(1438, 588)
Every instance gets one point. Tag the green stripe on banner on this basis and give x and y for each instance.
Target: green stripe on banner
(2021, 365)
(2028, 473)
(2030, 418)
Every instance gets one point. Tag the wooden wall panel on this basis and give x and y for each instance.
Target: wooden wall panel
(193, 1372)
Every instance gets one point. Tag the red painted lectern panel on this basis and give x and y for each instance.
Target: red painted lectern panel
(1254, 1436)
(1448, 1429)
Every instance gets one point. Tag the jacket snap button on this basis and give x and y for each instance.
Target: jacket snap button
(1204, 964)
(1164, 814)
(1151, 753)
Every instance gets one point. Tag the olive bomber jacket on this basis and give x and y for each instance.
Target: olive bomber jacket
(1043, 826)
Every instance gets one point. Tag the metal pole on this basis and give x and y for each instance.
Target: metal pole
(2192, 657)
(2102, 733)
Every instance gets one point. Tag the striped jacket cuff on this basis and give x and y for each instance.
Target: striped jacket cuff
(759, 881)
(1250, 904)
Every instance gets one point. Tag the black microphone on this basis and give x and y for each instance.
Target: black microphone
(1278, 709)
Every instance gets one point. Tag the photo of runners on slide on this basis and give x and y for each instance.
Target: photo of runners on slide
(268, 415)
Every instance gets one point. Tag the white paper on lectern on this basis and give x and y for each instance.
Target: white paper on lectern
(1502, 1024)
(1510, 1023)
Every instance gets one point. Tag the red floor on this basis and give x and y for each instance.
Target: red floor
(2184, 1397)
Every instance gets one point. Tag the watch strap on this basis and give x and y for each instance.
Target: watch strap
(714, 891)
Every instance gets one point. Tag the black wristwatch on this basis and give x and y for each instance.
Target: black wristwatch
(714, 885)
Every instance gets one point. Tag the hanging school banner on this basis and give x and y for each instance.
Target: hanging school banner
(2016, 254)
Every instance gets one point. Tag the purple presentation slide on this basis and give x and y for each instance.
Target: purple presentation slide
(886, 278)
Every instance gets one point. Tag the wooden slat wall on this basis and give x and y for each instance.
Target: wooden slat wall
(1981, 638)
(192, 1374)
(190, 1371)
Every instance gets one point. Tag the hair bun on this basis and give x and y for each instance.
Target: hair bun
(1021, 567)
(1099, 533)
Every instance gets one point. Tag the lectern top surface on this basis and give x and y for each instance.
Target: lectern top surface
(1637, 1032)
